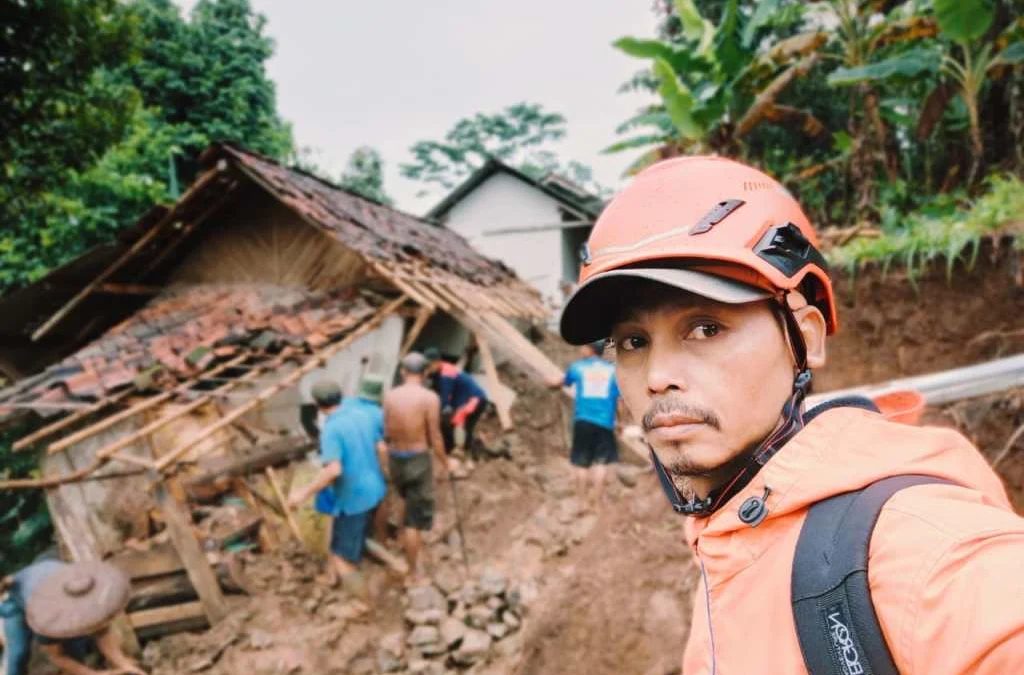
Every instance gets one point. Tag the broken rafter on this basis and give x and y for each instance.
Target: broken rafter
(166, 460)
(492, 375)
(417, 327)
(161, 422)
(135, 248)
(51, 429)
(393, 278)
(139, 407)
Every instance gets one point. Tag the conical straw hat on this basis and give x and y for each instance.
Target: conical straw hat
(77, 600)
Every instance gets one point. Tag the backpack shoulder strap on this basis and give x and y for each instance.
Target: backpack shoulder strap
(835, 619)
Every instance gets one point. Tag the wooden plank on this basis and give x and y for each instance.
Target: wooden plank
(179, 526)
(142, 406)
(276, 487)
(51, 429)
(256, 459)
(81, 544)
(160, 560)
(148, 618)
(381, 554)
(504, 415)
(287, 381)
(266, 535)
(174, 588)
(422, 317)
(140, 244)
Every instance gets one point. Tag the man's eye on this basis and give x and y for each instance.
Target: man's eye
(703, 331)
(629, 344)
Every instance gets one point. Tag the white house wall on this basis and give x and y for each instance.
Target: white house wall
(380, 348)
(503, 201)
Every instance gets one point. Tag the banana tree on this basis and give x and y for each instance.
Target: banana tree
(716, 83)
(963, 62)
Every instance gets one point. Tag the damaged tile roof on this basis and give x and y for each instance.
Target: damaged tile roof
(184, 331)
(372, 229)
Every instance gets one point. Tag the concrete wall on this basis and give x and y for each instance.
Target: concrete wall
(503, 201)
(380, 350)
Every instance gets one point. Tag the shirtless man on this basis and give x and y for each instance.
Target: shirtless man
(412, 430)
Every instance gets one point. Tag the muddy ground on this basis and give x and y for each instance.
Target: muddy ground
(608, 592)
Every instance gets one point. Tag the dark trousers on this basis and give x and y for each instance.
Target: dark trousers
(448, 431)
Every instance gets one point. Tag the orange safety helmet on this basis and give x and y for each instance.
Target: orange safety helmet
(708, 225)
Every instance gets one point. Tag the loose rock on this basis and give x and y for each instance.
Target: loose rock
(452, 632)
(422, 598)
(475, 646)
(497, 630)
(423, 635)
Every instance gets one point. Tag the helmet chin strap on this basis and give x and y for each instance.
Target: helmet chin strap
(791, 421)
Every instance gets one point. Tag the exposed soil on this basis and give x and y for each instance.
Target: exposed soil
(605, 592)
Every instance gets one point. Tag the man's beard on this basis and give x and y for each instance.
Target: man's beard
(681, 468)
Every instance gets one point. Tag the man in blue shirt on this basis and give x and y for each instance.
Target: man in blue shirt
(351, 437)
(593, 437)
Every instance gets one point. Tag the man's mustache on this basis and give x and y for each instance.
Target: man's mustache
(672, 404)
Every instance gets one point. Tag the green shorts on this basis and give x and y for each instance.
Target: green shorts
(412, 475)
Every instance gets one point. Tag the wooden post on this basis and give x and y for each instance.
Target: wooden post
(504, 416)
(417, 327)
(276, 487)
(266, 535)
(202, 576)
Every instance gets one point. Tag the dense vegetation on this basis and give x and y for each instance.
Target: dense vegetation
(868, 110)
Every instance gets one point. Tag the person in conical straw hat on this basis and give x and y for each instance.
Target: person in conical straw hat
(67, 609)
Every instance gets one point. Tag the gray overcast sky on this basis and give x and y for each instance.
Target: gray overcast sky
(388, 74)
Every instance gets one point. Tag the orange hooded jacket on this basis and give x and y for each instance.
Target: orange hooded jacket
(946, 563)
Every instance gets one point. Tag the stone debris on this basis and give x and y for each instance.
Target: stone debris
(455, 625)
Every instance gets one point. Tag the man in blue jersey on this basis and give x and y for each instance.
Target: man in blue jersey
(596, 393)
(352, 435)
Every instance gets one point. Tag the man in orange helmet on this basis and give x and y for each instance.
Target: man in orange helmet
(829, 540)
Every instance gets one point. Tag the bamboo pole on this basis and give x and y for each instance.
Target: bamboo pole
(417, 327)
(288, 380)
(276, 487)
(161, 422)
(492, 374)
(51, 429)
(142, 406)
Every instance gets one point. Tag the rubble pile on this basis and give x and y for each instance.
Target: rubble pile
(453, 625)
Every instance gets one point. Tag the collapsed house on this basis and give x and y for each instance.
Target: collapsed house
(171, 365)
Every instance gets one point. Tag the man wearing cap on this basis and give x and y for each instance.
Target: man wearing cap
(67, 609)
(596, 398)
(412, 426)
(463, 401)
(350, 438)
(829, 540)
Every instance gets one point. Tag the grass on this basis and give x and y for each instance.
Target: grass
(921, 237)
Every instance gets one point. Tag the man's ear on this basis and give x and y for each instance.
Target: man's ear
(814, 329)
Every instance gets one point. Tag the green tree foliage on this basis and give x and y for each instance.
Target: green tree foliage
(25, 527)
(102, 98)
(61, 109)
(364, 175)
(905, 99)
(510, 135)
(519, 135)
